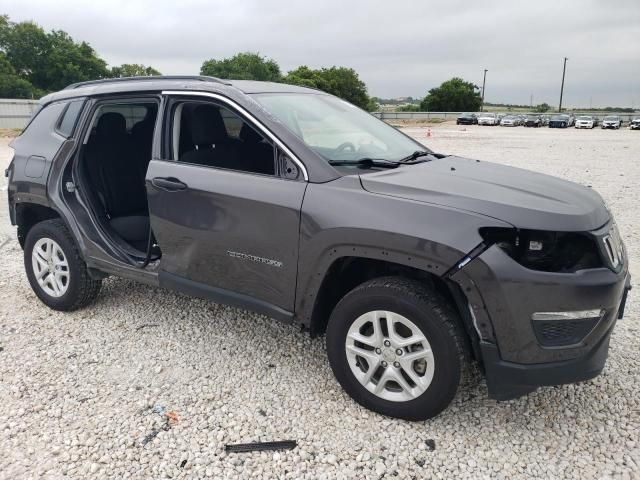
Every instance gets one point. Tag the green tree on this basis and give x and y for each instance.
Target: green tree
(542, 108)
(342, 82)
(307, 77)
(454, 95)
(68, 62)
(409, 108)
(133, 70)
(25, 45)
(11, 85)
(372, 105)
(243, 66)
(49, 61)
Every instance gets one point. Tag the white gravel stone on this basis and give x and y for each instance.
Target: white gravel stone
(77, 389)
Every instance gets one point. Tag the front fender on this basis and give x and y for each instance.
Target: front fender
(340, 219)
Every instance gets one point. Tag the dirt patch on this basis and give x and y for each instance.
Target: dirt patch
(10, 132)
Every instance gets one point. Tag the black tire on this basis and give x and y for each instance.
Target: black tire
(81, 289)
(431, 313)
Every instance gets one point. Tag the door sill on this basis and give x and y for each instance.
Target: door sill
(220, 295)
(115, 267)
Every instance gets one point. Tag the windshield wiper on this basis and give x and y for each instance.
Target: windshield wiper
(366, 162)
(414, 156)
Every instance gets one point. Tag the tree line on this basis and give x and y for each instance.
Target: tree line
(342, 82)
(34, 62)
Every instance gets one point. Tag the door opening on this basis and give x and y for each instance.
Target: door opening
(112, 165)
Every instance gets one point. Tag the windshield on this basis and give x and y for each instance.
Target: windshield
(489, 115)
(611, 118)
(584, 117)
(336, 129)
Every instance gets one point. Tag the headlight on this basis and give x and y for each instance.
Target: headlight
(561, 252)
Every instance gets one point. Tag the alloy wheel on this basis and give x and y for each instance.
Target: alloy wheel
(50, 267)
(390, 356)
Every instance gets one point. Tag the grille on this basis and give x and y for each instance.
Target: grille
(555, 333)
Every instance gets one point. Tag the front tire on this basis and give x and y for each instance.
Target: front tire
(397, 348)
(55, 269)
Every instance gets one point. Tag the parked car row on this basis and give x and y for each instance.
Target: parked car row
(562, 120)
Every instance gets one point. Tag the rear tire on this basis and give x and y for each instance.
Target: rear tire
(404, 310)
(55, 269)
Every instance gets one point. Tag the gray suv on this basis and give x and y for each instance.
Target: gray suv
(298, 205)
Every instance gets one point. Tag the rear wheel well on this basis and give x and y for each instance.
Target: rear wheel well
(29, 214)
(346, 273)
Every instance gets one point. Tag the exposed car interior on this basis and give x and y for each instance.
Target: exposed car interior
(214, 136)
(117, 151)
(114, 161)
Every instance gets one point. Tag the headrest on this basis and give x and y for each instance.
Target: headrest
(249, 135)
(207, 127)
(111, 125)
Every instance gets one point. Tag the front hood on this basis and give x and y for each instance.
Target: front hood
(522, 198)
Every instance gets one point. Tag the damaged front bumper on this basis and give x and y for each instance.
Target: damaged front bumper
(533, 325)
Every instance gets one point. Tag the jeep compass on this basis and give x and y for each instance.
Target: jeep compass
(298, 205)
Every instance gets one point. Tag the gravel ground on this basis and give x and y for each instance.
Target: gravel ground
(84, 393)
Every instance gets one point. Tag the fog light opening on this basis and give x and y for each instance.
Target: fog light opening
(565, 329)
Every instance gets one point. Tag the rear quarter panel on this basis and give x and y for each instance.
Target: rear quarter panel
(34, 151)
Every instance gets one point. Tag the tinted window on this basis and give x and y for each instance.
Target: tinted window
(67, 122)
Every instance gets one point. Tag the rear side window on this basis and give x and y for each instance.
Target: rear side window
(69, 118)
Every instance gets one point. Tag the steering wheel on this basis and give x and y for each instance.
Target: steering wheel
(345, 146)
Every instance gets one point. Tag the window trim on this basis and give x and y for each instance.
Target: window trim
(255, 122)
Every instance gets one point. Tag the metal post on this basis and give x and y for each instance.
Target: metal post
(484, 81)
(564, 68)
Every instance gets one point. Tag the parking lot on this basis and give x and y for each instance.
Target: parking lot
(84, 394)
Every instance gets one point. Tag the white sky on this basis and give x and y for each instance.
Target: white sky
(399, 48)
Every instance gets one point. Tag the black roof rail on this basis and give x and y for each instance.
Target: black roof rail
(200, 78)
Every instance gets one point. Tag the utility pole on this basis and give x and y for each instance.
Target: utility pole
(564, 69)
(484, 81)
